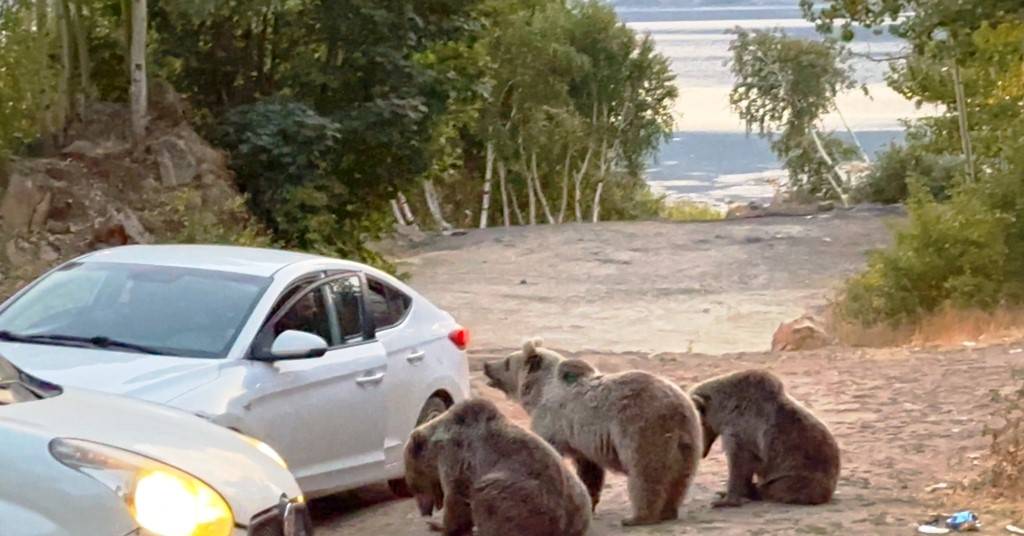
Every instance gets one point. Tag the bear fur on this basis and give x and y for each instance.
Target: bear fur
(489, 473)
(633, 422)
(768, 435)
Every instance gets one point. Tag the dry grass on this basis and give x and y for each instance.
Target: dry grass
(948, 327)
(685, 210)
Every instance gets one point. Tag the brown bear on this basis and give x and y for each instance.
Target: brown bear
(489, 473)
(768, 435)
(631, 422)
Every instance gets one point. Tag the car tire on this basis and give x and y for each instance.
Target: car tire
(434, 407)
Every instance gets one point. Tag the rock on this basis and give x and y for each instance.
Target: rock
(19, 253)
(41, 214)
(826, 206)
(81, 148)
(133, 227)
(58, 227)
(176, 163)
(48, 254)
(804, 333)
(166, 103)
(210, 160)
(26, 201)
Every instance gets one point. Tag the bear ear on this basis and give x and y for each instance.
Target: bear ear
(701, 403)
(418, 443)
(534, 362)
(573, 370)
(531, 345)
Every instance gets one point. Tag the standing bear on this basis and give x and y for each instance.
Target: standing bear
(767, 434)
(632, 422)
(485, 471)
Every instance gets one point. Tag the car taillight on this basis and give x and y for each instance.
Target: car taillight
(460, 338)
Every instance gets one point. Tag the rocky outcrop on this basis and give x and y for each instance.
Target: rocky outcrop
(804, 333)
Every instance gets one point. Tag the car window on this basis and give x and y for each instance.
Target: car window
(346, 297)
(387, 305)
(308, 314)
(178, 311)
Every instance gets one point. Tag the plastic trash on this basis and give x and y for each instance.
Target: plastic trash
(963, 521)
(932, 529)
(1014, 529)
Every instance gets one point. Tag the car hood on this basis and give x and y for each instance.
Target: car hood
(248, 479)
(149, 377)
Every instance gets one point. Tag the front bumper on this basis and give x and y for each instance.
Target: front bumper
(288, 518)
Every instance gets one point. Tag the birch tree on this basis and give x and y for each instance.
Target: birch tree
(139, 97)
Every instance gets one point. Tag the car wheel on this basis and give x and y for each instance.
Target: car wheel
(434, 407)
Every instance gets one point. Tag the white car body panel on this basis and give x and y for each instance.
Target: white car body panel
(34, 482)
(335, 431)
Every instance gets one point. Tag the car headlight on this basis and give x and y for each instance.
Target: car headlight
(265, 449)
(164, 501)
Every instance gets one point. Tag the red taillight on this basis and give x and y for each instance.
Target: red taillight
(460, 338)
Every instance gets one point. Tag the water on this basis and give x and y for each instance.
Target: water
(710, 157)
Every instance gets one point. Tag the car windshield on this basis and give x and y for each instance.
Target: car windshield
(141, 308)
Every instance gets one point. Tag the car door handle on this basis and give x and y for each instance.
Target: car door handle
(368, 380)
(415, 357)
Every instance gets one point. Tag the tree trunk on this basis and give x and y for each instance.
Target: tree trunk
(856, 140)
(84, 65)
(565, 186)
(597, 202)
(540, 191)
(434, 205)
(406, 211)
(965, 133)
(42, 16)
(579, 184)
(831, 164)
(485, 205)
(126, 23)
(397, 212)
(504, 193)
(64, 82)
(515, 205)
(532, 199)
(140, 114)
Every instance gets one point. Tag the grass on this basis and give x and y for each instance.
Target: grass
(685, 210)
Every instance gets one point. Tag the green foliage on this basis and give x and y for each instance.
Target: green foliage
(28, 79)
(953, 253)
(289, 162)
(890, 177)
(193, 222)
(684, 210)
(783, 87)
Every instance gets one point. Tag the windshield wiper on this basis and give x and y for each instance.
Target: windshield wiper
(73, 340)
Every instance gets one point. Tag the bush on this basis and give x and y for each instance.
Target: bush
(288, 160)
(901, 164)
(955, 253)
(686, 210)
(25, 94)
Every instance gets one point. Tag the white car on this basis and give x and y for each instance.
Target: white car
(79, 463)
(332, 363)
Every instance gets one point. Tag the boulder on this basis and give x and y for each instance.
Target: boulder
(804, 333)
(19, 253)
(81, 148)
(164, 102)
(26, 203)
(119, 229)
(177, 164)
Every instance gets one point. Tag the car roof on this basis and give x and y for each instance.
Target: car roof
(242, 260)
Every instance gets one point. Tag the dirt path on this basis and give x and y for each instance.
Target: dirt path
(643, 293)
(905, 420)
(712, 287)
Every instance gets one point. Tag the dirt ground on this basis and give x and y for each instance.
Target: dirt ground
(711, 287)
(906, 419)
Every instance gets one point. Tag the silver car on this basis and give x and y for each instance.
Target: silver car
(332, 363)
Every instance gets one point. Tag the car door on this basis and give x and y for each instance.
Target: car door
(406, 349)
(326, 415)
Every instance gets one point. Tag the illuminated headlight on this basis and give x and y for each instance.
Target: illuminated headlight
(163, 500)
(265, 449)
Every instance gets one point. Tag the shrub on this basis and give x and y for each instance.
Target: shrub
(288, 160)
(901, 164)
(686, 210)
(953, 253)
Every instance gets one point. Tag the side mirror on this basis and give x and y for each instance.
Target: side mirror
(294, 344)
